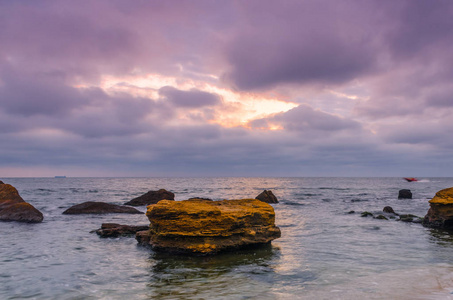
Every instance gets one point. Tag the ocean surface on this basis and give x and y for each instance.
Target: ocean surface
(325, 252)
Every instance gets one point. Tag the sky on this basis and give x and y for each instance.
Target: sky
(226, 88)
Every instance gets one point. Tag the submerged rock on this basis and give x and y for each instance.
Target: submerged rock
(267, 196)
(116, 230)
(366, 214)
(410, 218)
(440, 213)
(405, 194)
(92, 207)
(151, 197)
(14, 208)
(206, 227)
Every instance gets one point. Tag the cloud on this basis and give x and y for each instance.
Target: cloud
(305, 119)
(302, 42)
(23, 94)
(372, 81)
(189, 99)
(420, 27)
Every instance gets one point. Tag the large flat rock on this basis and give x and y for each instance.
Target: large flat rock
(207, 227)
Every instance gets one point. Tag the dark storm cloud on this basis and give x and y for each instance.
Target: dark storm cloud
(303, 42)
(46, 101)
(43, 94)
(110, 115)
(65, 38)
(420, 26)
(417, 74)
(190, 99)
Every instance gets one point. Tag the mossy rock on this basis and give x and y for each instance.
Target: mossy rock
(366, 214)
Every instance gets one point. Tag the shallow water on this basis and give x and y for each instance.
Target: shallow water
(324, 252)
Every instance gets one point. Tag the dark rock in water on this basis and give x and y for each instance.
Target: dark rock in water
(116, 230)
(21, 212)
(151, 197)
(440, 213)
(381, 217)
(14, 208)
(267, 196)
(201, 227)
(91, 207)
(389, 209)
(351, 212)
(198, 198)
(405, 194)
(366, 214)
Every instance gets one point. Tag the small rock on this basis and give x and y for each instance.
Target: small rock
(389, 209)
(351, 212)
(151, 197)
(91, 207)
(116, 230)
(381, 217)
(366, 214)
(405, 194)
(267, 196)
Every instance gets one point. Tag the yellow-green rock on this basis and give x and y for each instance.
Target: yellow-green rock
(440, 213)
(207, 227)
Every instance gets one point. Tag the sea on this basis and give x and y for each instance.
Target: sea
(327, 249)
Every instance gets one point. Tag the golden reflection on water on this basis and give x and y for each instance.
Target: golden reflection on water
(244, 273)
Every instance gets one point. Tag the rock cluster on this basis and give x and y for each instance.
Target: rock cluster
(389, 213)
(440, 213)
(151, 197)
(267, 196)
(203, 227)
(92, 207)
(14, 208)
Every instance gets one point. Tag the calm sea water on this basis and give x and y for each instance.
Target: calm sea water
(324, 252)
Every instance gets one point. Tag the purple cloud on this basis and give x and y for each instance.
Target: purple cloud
(189, 99)
(302, 42)
(373, 80)
(305, 119)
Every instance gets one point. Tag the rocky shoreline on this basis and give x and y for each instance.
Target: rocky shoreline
(201, 226)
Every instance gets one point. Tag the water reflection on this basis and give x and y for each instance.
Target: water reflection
(442, 237)
(240, 275)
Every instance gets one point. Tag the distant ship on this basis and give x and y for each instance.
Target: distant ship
(60, 176)
(410, 179)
